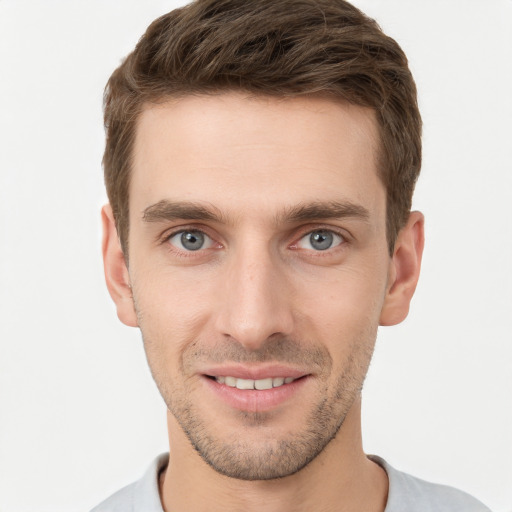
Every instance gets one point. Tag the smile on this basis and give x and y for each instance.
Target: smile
(260, 384)
(256, 388)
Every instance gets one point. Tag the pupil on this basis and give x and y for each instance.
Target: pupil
(321, 240)
(192, 240)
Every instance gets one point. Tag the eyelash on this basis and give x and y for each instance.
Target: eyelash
(342, 234)
(167, 237)
(335, 234)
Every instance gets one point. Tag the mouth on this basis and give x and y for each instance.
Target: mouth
(248, 384)
(255, 391)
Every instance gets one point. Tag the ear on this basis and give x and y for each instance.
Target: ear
(404, 270)
(116, 271)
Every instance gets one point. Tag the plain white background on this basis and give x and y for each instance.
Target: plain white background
(79, 413)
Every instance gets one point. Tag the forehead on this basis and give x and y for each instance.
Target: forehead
(254, 153)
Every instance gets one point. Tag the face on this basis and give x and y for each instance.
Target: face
(259, 269)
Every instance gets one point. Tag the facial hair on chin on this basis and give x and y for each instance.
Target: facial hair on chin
(274, 458)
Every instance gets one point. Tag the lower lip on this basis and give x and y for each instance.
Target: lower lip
(253, 400)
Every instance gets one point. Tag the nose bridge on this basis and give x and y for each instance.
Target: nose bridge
(254, 305)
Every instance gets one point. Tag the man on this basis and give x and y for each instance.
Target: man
(260, 163)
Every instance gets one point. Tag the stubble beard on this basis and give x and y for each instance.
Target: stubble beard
(245, 459)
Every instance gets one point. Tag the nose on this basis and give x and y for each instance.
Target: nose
(254, 300)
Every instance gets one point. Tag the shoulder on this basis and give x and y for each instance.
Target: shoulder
(408, 493)
(140, 496)
(122, 500)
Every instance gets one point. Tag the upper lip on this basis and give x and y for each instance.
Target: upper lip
(254, 372)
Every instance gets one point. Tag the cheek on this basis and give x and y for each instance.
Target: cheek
(341, 294)
(341, 309)
(172, 294)
(172, 308)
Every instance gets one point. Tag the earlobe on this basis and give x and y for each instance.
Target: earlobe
(116, 271)
(404, 270)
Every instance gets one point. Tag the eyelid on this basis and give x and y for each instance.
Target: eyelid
(337, 240)
(308, 230)
(170, 232)
(167, 235)
(208, 242)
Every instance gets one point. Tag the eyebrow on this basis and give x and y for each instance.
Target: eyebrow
(319, 210)
(166, 210)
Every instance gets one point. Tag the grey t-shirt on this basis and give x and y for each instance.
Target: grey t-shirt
(406, 494)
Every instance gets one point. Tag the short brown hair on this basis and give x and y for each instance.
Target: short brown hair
(283, 48)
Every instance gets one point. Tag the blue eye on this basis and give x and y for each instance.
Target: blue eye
(320, 240)
(191, 240)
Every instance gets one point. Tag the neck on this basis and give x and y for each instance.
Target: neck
(340, 478)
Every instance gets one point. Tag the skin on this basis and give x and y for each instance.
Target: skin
(262, 175)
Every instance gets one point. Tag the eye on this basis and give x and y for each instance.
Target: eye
(320, 240)
(190, 240)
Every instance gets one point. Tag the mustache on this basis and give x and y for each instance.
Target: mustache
(274, 349)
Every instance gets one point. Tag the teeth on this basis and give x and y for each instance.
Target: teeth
(244, 384)
(260, 384)
(263, 384)
(230, 381)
